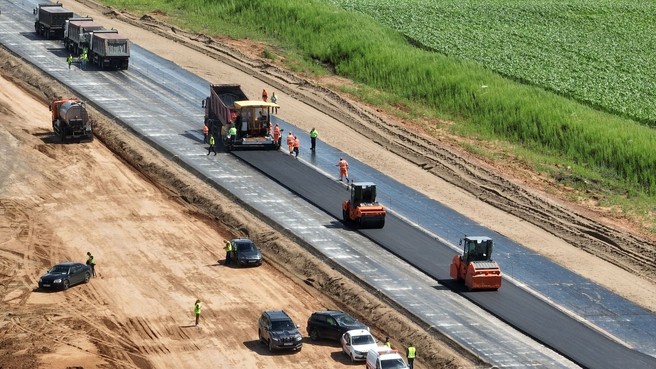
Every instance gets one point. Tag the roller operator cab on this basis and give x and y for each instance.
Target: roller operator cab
(361, 209)
(475, 266)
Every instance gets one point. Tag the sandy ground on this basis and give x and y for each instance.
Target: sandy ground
(156, 236)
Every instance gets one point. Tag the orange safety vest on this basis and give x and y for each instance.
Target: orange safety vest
(290, 140)
(276, 133)
(343, 165)
(206, 130)
(297, 143)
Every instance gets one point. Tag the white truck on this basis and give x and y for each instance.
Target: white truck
(384, 357)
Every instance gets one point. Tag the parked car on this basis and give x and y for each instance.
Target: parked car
(385, 357)
(245, 252)
(277, 330)
(64, 275)
(331, 324)
(357, 343)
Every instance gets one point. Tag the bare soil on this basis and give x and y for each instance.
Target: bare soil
(156, 232)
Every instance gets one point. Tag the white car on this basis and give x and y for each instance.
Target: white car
(356, 343)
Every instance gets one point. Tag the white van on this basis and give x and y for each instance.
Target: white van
(384, 357)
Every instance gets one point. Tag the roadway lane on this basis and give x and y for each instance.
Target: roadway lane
(516, 306)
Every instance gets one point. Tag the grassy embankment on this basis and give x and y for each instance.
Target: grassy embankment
(583, 147)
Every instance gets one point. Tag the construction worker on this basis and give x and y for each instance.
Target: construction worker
(232, 134)
(228, 250)
(290, 142)
(276, 134)
(91, 263)
(69, 60)
(274, 99)
(211, 148)
(313, 138)
(84, 58)
(206, 131)
(411, 353)
(343, 170)
(387, 342)
(197, 311)
(297, 146)
(265, 96)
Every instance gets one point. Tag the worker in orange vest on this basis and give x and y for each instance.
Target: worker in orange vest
(276, 134)
(265, 96)
(290, 142)
(297, 146)
(206, 131)
(343, 169)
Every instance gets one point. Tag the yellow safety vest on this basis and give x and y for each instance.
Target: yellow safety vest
(197, 308)
(228, 247)
(411, 352)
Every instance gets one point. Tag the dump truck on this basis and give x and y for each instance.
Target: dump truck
(70, 119)
(228, 107)
(108, 49)
(50, 19)
(475, 266)
(361, 209)
(77, 33)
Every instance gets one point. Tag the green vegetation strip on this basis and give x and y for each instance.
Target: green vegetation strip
(601, 52)
(359, 48)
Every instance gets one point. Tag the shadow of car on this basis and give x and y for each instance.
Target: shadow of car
(64, 275)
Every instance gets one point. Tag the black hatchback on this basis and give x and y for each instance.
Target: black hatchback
(331, 324)
(245, 252)
(64, 275)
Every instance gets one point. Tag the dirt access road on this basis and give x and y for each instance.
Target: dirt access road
(154, 231)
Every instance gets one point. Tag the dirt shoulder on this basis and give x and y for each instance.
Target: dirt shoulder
(515, 203)
(156, 234)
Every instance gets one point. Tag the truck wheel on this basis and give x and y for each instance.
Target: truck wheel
(345, 218)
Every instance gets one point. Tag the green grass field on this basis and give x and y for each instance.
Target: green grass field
(600, 52)
(616, 153)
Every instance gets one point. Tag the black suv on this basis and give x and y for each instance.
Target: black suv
(331, 324)
(277, 330)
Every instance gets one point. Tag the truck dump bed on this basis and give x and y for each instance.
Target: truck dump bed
(110, 44)
(78, 29)
(50, 20)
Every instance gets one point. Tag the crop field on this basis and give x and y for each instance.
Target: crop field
(601, 52)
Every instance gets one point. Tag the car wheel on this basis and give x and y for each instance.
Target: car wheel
(259, 336)
(270, 345)
(86, 277)
(66, 284)
(352, 358)
(314, 335)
